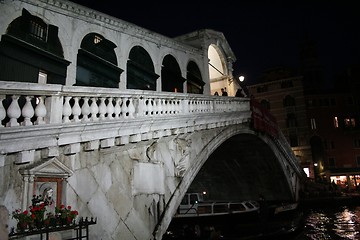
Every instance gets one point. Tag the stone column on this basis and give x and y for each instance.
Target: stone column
(4, 223)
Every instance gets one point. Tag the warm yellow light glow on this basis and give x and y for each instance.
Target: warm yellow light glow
(241, 78)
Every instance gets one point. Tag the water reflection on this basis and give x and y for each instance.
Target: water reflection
(340, 223)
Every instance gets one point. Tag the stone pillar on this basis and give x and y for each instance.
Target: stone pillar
(4, 223)
(28, 191)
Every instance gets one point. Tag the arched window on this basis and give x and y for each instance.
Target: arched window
(265, 104)
(140, 70)
(97, 63)
(195, 83)
(289, 101)
(171, 79)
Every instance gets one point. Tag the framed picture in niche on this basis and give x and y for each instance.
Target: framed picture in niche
(50, 189)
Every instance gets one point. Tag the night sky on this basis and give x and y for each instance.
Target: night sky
(262, 34)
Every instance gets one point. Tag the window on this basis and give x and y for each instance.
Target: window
(349, 122)
(358, 160)
(357, 143)
(287, 84)
(336, 122)
(325, 144)
(288, 101)
(313, 123)
(331, 162)
(332, 144)
(294, 140)
(265, 104)
(38, 29)
(291, 120)
(262, 89)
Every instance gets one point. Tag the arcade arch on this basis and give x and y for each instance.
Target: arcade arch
(217, 70)
(171, 78)
(97, 63)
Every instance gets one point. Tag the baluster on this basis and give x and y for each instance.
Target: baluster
(76, 110)
(94, 109)
(150, 107)
(27, 112)
(168, 107)
(160, 106)
(202, 106)
(2, 111)
(124, 108)
(66, 110)
(172, 106)
(179, 106)
(85, 109)
(117, 108)
(40, 111)
(141, 107)
(102, 108)
(110, 108)
(193, 106)
(13, 112)
(164, 107)
(155, 107)
(131, 108)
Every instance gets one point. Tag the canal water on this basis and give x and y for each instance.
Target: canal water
(334, 222)
(331, 223)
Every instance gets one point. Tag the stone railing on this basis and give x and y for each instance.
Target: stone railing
(37, 116)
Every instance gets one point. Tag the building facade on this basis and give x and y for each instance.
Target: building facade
(321, 126)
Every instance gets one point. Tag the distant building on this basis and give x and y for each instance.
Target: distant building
(322, 127)
(283, 95)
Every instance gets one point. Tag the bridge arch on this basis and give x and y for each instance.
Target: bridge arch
(271, 173)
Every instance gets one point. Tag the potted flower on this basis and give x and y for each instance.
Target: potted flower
(65, 215)
(37, 214)
(24, 219)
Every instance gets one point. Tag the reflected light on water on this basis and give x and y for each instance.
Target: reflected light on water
(340, 224)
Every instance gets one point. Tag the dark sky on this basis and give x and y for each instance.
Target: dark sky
(262, 34)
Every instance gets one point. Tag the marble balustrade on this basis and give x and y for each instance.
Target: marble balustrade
(46, 117)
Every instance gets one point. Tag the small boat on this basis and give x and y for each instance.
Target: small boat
(193, 205)
(197, 218)
(285, 208)
(247, 219)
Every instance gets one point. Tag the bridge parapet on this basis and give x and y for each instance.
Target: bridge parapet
(37, 116)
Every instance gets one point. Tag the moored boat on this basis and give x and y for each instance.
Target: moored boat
(199, 219)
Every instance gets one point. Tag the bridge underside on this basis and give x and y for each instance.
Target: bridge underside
(243, 167)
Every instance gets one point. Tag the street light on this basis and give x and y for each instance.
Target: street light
(241, 78)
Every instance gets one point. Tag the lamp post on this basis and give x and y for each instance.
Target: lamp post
(244, 91)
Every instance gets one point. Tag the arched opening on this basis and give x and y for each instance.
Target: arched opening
(195, 83)
(97, 63)
(217, 70)
(31, 51)
(242, 168)
(171, 79)
(140, 70)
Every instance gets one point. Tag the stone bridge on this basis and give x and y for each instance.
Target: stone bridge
(130, 167)
(122, 133)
